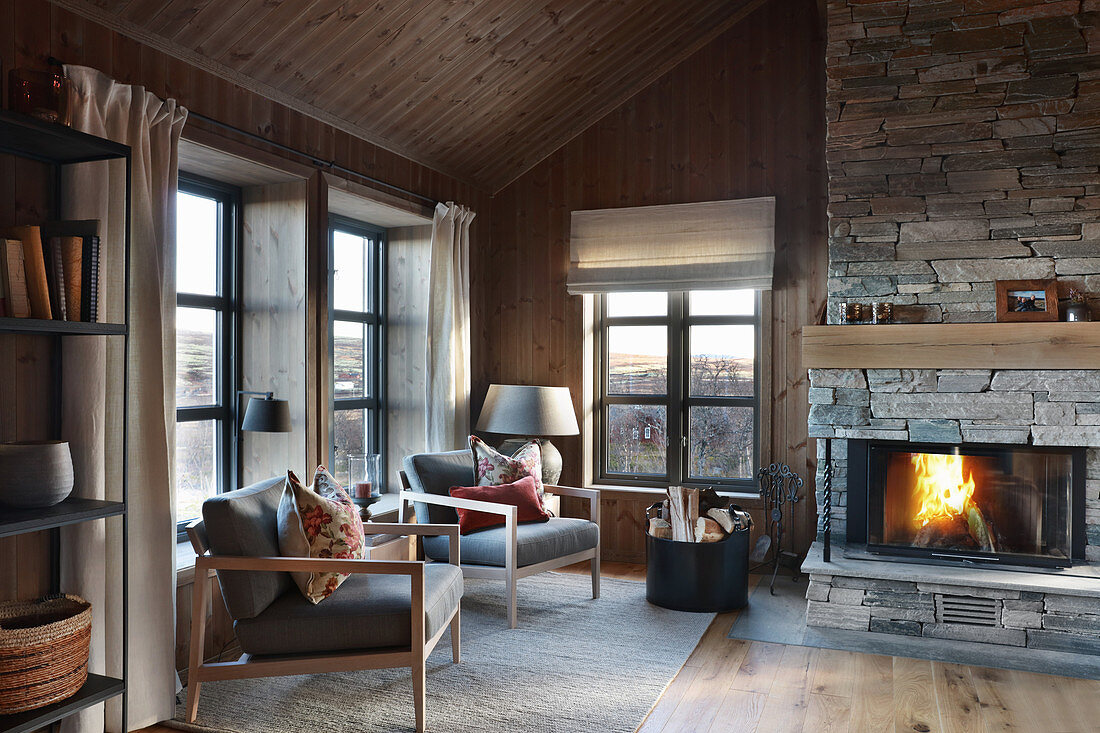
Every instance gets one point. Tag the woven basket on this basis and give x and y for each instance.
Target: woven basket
(43, 651)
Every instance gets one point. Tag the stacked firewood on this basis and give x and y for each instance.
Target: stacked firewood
(697, 515)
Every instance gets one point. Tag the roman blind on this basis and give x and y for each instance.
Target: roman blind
(707, 245)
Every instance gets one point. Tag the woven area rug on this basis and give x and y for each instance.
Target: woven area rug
(574, 664)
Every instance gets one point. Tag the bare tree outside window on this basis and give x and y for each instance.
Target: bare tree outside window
(694, 354)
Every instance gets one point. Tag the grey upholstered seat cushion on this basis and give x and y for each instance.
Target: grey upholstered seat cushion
(536, 542)
(436, 473)
(365, 612)
(244, 522)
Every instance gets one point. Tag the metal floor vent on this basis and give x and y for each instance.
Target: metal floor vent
(968, 610)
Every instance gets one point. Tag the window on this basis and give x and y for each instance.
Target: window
(356, 340)
(206, 226)
(678, 388)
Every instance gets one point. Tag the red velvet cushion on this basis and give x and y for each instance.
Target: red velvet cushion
(522, 494)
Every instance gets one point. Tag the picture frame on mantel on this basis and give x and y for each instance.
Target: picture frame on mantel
(1026, 301)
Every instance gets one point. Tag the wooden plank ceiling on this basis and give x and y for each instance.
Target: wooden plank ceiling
(479, 89)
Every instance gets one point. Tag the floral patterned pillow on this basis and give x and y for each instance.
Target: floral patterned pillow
(493, 468)
(318, 521)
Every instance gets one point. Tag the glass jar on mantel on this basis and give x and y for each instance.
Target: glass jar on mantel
(365, 480)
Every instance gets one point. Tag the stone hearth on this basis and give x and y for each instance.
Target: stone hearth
(855, 591)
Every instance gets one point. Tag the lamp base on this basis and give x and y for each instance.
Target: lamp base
(551, 462)
(551, 456)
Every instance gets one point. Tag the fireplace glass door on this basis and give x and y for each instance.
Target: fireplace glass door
(991, 503)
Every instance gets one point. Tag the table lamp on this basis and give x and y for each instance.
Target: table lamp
(531, 412)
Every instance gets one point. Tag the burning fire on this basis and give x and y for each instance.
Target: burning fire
(941, 487)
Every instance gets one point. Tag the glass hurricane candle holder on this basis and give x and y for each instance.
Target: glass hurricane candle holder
(365, 475)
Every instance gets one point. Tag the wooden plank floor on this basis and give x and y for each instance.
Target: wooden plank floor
(734, 686)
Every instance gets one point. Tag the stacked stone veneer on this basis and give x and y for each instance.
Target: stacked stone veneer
(963, 148)
(1038, 620)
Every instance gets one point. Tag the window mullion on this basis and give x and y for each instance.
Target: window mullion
(676, 373)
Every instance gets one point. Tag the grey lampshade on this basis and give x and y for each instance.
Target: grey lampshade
(515, 409)
(266, 415)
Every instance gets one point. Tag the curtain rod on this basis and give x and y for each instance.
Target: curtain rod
(313, 159)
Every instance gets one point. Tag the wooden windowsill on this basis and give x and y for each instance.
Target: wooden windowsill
(658, 490)
(1052, 345)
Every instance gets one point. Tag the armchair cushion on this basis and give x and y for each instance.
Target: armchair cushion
(436, 473)
(245, 522)
(493, 468)
(535, 543)
(319, 521)
(369, 612)
(520, 494)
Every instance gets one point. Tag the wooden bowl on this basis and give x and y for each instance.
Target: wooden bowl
(35, 474)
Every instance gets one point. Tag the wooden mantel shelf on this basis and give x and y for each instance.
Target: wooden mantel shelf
(953, 346)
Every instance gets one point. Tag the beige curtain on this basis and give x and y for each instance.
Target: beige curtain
(447, 371)
(92, 557)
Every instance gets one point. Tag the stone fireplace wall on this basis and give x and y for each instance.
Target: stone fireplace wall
(963, 148)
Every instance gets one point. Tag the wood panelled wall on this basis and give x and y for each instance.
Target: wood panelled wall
(273, 323)
(742, 117)
(408, 264)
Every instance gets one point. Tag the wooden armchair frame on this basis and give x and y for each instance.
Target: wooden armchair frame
(509, 573)
(246, 666)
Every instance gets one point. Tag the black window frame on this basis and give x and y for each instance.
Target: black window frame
(227, 339)
(375, 402)
(677, 400)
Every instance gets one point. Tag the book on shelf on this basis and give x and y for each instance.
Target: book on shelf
(14, 277)
(34, 266)
(56, 278)
(58, 268)
(72, 256)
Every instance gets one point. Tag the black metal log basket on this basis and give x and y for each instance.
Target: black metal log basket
(698, 576)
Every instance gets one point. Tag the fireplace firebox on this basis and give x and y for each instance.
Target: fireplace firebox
(1004, 504)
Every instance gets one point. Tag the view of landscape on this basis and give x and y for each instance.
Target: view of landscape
(352, 350)
(720, 365)
(720, 438)
(196, 353)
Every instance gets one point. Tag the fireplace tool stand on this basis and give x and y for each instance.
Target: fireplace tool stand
(827, 504)
(779, 485)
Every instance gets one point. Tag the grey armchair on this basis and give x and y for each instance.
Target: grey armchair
(387, 614)
(505, 553)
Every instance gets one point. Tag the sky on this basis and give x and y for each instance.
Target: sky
(197, 257)
(730, 341)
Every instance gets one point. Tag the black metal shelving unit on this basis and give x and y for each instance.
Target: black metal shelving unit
(58, 146)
